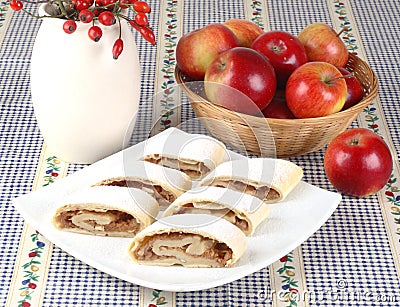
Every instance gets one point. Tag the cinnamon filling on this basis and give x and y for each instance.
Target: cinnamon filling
(163, 197)
(99, 221)
(194, 170)
(183, 249)
(262, 192)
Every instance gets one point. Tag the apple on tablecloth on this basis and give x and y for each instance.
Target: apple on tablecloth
(240, 79)
(358, 162)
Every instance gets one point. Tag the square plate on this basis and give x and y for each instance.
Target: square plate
(289, 224)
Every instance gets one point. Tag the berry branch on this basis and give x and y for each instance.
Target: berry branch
(105, 12)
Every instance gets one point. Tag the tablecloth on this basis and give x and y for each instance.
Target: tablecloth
(353, 260)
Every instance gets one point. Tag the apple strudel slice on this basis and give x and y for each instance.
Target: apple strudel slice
(164, 184)
(242, 210)
(106, 211)
(190, 240)
(270, 180)
(194, 154)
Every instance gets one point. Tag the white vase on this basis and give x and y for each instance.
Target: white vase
(85, 102)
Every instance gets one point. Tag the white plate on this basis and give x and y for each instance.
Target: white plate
(290, 223)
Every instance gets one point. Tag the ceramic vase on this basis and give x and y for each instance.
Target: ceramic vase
(84, 100)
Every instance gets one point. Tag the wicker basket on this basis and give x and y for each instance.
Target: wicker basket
(291, 137)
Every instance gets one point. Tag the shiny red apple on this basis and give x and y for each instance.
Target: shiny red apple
(240, 79)
(245, 31)
(354, 89)
(315, 89)
(278, 108)
(284, 51)
(358, 162)
(197, 49)
(322, 43)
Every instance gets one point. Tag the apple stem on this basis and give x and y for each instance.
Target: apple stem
(354, 142)
(342, 77)
(341, 31)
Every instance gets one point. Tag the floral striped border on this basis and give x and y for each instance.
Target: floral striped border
(287, 274)
(166, 110)
(5, 17)
(28, 283)
(373, 118)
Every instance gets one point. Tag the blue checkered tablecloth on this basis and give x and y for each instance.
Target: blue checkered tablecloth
(352, 247)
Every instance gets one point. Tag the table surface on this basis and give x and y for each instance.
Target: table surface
(353, 260)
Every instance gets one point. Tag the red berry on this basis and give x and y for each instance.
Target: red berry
(32, 254)
(141, 7)
(141, 19)
(148, 34)
(117, 48)
(107, 18)
(25, 304)
(95, 33)
(81, 5)
(86, 16)
(69, 26)
(16, 5)
(32, 286)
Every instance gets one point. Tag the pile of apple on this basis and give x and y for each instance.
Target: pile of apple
(285, 76)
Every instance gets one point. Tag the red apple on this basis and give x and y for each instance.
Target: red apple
(197, 49)
(245, 31)
(323, 44)
(354, 89)
(278, 107)
(358, 162)
(240, 79)
(284, 51)
(315, 89)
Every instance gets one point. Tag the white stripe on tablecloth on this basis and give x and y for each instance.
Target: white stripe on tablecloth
(28, 283)
(287, 276)
(5, 17)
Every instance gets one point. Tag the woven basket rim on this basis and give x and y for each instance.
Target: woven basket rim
(371, 95)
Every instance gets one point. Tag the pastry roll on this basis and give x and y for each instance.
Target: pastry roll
(190, 240)
(106, 211)
(194, 154)
(270, 180)
(164, 184)
(242, 210)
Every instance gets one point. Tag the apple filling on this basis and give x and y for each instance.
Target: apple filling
(163, 197)
(262, 192)
(204, 208)
(177, 248)
(195, 170)
(108, 223)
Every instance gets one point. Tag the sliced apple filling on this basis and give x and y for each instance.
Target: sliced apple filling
(211, 209)
(261, 192)
(177, 248)
(194, 169)
(163, 197)
(108, 223)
